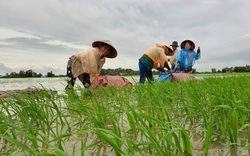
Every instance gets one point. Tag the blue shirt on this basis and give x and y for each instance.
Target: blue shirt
(186, 58)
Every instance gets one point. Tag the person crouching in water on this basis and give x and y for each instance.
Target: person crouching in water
(186, 57)
(152, 58)
(86, 65)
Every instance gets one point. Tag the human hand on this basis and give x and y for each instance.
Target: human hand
(168, 72)
(178, 65)
(189, 69)
(199, 49)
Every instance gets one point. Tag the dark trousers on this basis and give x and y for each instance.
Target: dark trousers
(173, 66)
(71, 80)
(144, 73)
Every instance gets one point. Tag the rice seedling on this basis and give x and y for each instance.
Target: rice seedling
(148, 119)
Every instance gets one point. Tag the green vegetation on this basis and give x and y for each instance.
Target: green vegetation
(179, 118)
(122, 72)
(28, 73)
(22, 73)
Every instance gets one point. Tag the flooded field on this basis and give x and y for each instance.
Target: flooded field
(206, 117)
(57, 83)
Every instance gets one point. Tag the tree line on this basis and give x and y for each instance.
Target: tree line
(117, 71)
(27, 73)
(31, 73)
(232, 69)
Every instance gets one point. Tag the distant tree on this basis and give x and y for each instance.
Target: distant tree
(13, 75)
(22, 73)
(39, 75)
(213, 70)
(247, 68)
(29, 73)
(50, 74)
(118, 71)
(193, 70)
(227, 70)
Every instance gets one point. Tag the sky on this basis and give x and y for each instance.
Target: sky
(41, 35)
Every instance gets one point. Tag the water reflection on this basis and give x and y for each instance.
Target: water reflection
(57, 84)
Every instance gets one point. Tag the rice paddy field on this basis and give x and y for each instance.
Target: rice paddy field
(208, 116)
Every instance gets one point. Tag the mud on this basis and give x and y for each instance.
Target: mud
(8, 94)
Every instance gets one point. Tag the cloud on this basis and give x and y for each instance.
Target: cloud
(4, 69)
(8, 33)
(45, 33)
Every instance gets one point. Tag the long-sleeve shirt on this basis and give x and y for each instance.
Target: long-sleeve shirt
(88, 61)
(162, 68)
(157, 56)
(186, 58)
(173, 58)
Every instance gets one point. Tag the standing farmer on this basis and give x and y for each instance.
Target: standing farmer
(152, 58)
(86, 65)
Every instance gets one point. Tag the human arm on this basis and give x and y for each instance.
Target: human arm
(163, 60)
(166, 65)
(177, 62)
(198, 54)
(95, 63)
(178, 57)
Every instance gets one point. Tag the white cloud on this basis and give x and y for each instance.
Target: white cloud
(66, 44)
(5, 43)
(6, 33)
(45, 33)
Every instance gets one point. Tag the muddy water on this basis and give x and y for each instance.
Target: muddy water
(23, 83)
(56, 83)
(218, 146)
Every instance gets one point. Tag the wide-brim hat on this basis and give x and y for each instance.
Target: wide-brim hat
(191, 42)
(170, 49)
(175, 43)
(112, 53)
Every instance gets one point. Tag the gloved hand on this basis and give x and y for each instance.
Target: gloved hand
(177, 68)
(169, 72)
(189, 69)
(198, 50)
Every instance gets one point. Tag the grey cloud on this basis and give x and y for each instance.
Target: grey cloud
(4, 69)
(132, 26)
(38, 69)
(33, 45)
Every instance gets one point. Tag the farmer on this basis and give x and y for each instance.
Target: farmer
(87, 64)
(152, 58)
(186, 57)
(172, 59)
